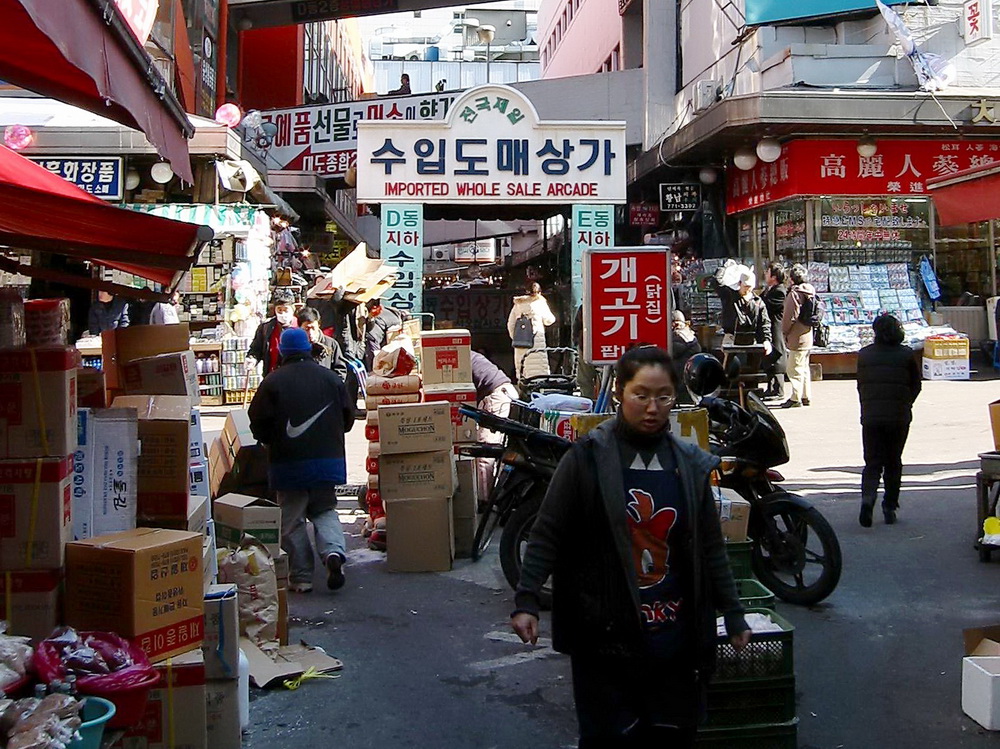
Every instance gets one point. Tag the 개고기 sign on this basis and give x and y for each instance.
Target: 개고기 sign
(491, 149)
(626, 300)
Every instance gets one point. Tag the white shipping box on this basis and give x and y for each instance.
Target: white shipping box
(946, 369)
(105, 469)
(199, 480)
(198, 454)
(981, 690)
(222, 710)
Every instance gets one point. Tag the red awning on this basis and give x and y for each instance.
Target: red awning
(66, 50)
(42, 211)
(968, 196)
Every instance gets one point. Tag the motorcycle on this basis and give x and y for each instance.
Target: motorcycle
(795, 551)
(527, 460)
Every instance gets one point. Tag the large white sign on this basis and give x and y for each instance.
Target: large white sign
(977, 21)
(492, 148)
(323, 138)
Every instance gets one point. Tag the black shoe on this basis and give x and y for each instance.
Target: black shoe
(790, 404)
(865, 518)
(805, 401)
(890, 515)
(334, 572)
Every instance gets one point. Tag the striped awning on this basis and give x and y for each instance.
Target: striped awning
(228, 219)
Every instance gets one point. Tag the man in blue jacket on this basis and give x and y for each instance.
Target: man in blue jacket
(301, 412)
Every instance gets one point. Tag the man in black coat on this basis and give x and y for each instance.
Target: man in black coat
(380, 320)
(107, 313)
(888, 384)
(264, 346)
(773, 297)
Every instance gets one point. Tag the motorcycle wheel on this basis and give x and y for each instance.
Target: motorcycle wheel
(798, 557)
(513, 543)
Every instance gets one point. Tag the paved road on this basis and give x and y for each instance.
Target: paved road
(428, 661)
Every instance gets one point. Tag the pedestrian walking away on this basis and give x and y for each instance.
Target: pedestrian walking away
(629, 532)
(301, 412)
(888, 384)
(526, 324)
(798, 335)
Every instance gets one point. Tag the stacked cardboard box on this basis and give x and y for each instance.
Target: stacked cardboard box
(222, 652)
(105, 471)
(946, 357)
(446, 363)
(38, 438)
(417, 479)
(236, 461)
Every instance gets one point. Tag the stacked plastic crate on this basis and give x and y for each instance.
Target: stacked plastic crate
(751, 698)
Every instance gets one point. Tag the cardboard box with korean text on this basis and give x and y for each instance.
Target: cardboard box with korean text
(222, 711)
(420, 535)
(175, 715)
(981, 676)
(734, 514)
(196, 520)
(198, 450)
(33, 610)
(457, 394)
(221, 645)
(83, 477)
(164, 470)
(446, 356)
(946, 369)
(248, 458)
(236, 514)
(105, 467)
(199, 479)
(90, 389)
(36, 516)
(463, 508)
(137, 342)
(144, 584)
(415, 428)
(37, 402)
(164, 374)
(417, 475)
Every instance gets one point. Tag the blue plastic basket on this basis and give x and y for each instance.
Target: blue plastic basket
(95, 714)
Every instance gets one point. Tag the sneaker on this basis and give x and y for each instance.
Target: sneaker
(890, 515)
(865, 518)
(790, 404)
(805, 401)
(335, 572)
(300, 587)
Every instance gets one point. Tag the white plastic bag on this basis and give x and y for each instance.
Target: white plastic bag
(560, 402)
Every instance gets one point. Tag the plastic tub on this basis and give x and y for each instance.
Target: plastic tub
(129, 702)
(95, 714)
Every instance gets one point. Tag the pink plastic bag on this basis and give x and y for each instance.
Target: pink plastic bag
(102, 661)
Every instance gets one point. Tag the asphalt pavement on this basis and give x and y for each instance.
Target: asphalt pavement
(429, 660)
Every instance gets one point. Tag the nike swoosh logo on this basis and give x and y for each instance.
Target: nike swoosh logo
(301, 429)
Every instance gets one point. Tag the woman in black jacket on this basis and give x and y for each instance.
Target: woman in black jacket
(888, 384)
(630, 533)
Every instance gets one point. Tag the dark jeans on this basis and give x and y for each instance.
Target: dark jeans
(624, 703)
(883, 447)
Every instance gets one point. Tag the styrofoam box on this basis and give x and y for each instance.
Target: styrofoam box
(946, 369)
(981, 690)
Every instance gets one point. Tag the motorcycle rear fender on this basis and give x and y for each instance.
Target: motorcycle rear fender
(519, 483)
(781, 497)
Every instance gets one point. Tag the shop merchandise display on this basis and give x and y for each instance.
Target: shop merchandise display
(49, 722)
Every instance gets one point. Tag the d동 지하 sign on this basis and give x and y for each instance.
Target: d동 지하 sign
(492, 148)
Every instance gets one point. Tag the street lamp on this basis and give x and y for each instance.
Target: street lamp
(486, 33)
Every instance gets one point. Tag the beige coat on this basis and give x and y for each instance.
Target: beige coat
(798, 336)
(537, 310)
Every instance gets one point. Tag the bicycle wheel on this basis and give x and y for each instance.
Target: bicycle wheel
(487, 526)
(513, 542)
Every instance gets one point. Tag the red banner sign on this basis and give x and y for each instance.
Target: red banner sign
(643, 214)
(626, 301)
(834, 167)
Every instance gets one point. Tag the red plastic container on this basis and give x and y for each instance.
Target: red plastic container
(129, 701)
(371, 464)
(371, 432)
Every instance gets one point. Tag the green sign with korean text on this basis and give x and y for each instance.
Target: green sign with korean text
(402, 242)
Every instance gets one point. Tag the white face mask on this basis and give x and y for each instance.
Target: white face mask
(284, 317)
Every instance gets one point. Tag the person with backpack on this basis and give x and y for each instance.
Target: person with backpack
(802, 312)
(526, 324)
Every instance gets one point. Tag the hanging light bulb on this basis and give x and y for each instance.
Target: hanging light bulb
(18, 137)
(745, 158)
(768, 150)
(228, 115)
(161, 172)
(132, 179)
(867, 146)
(707, 175)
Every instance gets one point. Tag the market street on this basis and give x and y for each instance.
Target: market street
(429, 660)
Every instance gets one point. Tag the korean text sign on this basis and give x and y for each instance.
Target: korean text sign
(101, 177)
(834, 167)
(626, 301)
(492, 149)
(593, 228)
(323, 138)
(403, 248)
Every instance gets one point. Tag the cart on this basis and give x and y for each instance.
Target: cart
(987, 494)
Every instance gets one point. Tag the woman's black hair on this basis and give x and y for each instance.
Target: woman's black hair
(777, 272)
(888, 330)
(638, 357)
(307, 314)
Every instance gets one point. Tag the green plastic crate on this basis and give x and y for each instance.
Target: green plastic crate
(753, 594)
(768, 655)
(739, 553)
(744, 703)
(772, 736)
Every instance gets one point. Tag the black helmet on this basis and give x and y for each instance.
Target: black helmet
(703, 374)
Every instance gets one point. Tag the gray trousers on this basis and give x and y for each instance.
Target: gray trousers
(319, 506)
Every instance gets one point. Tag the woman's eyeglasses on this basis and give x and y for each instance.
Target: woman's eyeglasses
(662, 401)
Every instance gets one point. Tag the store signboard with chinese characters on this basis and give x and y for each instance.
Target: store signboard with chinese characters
(480, 251)
(977, 21)
(100, 176)
(643, 214)
(760, 12)
(626, 301)
(492, 149)
(680, 196)
(323, 138)
(403, 248)
(899, 168)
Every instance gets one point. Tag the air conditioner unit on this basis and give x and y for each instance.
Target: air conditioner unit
(706, 93)
(440, 253)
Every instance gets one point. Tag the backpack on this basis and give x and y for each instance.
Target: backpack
(812, 311)
(524, 333)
